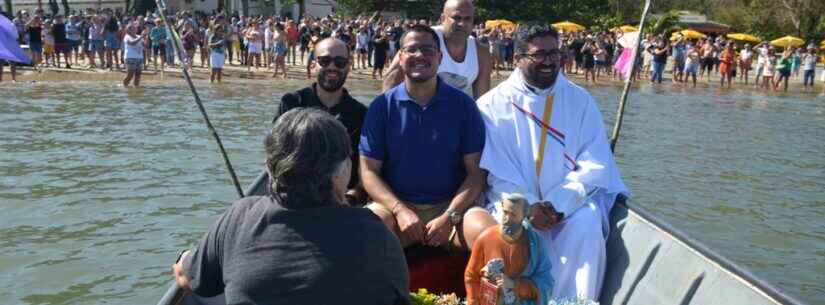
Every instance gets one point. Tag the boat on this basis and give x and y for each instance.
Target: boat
(649, 262)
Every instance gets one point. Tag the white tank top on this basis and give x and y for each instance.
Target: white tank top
(461, 75)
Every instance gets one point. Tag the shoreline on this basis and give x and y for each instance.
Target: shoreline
(235, 73)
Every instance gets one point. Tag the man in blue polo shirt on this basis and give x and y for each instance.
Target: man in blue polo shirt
(420, 148)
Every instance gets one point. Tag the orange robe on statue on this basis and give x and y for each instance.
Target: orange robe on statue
(490, 245)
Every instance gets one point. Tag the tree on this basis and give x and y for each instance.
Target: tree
(54, 7)
(8, 8)
(65, 4)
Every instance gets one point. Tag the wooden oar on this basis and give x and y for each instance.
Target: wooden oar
(620, 113)
(175, 294)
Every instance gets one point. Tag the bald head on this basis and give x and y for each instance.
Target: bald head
(331, 47)
(457, 19)
(454, 4)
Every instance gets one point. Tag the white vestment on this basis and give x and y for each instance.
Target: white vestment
(578, 174)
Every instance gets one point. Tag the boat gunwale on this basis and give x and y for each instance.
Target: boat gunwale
(741, 273)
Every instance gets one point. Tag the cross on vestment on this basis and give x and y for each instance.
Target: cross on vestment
(545, 132)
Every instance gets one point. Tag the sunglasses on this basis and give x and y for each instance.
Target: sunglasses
(340, 62)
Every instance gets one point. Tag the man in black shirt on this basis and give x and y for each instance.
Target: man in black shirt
(61, 43)
(332, 66)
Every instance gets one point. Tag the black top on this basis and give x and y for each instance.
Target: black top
(660, 58)
(349, 112)
(259, 252)
(59, 32)
(34, 34)
(112, 25)
(381, 46)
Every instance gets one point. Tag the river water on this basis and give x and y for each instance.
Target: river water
(101, 186)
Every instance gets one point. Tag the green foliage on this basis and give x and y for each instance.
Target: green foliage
(663, 24)
(606, 22)
(422, 297)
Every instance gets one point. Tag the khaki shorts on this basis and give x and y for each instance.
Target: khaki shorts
(428, 212)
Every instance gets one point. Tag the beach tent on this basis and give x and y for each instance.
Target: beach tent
(506, 25)
(787, 41)
(625, 29)
(744, 37)
(9, 48)
(568, 26)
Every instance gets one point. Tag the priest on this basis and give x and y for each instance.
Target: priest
(546, 140)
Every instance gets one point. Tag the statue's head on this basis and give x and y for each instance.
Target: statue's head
(513, 210)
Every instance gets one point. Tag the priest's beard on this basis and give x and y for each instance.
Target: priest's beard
(511, 231)
(331, 85)
(541, 75)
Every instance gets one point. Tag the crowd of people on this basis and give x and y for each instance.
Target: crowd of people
(101, 39)
(712, 58)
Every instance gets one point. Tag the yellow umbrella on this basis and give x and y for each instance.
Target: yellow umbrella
(625, 29)
(506, 25)
(744, 37)
(787, 41)
(691, 34)
(568, 26)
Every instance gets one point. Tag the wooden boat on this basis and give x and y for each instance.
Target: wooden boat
(648, 263)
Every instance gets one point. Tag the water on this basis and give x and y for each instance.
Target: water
(101, 187)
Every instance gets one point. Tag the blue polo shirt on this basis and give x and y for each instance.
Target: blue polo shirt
(422, 148)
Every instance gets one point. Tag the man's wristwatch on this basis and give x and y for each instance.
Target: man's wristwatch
(454, 216)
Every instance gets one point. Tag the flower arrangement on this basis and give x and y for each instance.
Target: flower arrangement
(424, 297)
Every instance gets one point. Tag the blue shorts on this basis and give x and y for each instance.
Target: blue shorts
(36, 48)
(280, 48)
(111, 41)
(692, 69)
(95, 45)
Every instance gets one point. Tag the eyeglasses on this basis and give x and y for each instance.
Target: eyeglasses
(424, 50)
(340, 62)
(552, 55)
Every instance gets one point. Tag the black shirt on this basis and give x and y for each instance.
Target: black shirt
(660, 58)
(348, 111)
(34, 34)
(259, 252)
(59, 32)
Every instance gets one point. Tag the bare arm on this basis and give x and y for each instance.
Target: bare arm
(394, 74)
(409, 225)
(375, 186)
(473, 184)
(485, 68)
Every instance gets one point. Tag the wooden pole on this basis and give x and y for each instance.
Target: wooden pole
(178, 49)
(636, 51)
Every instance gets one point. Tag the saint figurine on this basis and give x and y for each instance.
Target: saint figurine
(511, 258)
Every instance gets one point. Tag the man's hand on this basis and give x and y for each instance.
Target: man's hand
(409, 224)
(543, 216)
(438, 230)
(177, 272)
(506, 282)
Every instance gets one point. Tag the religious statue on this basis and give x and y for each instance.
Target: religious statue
(509, 264)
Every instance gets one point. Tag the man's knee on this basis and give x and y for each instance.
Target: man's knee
(586, 223)
(476, 220)
(382, 212)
